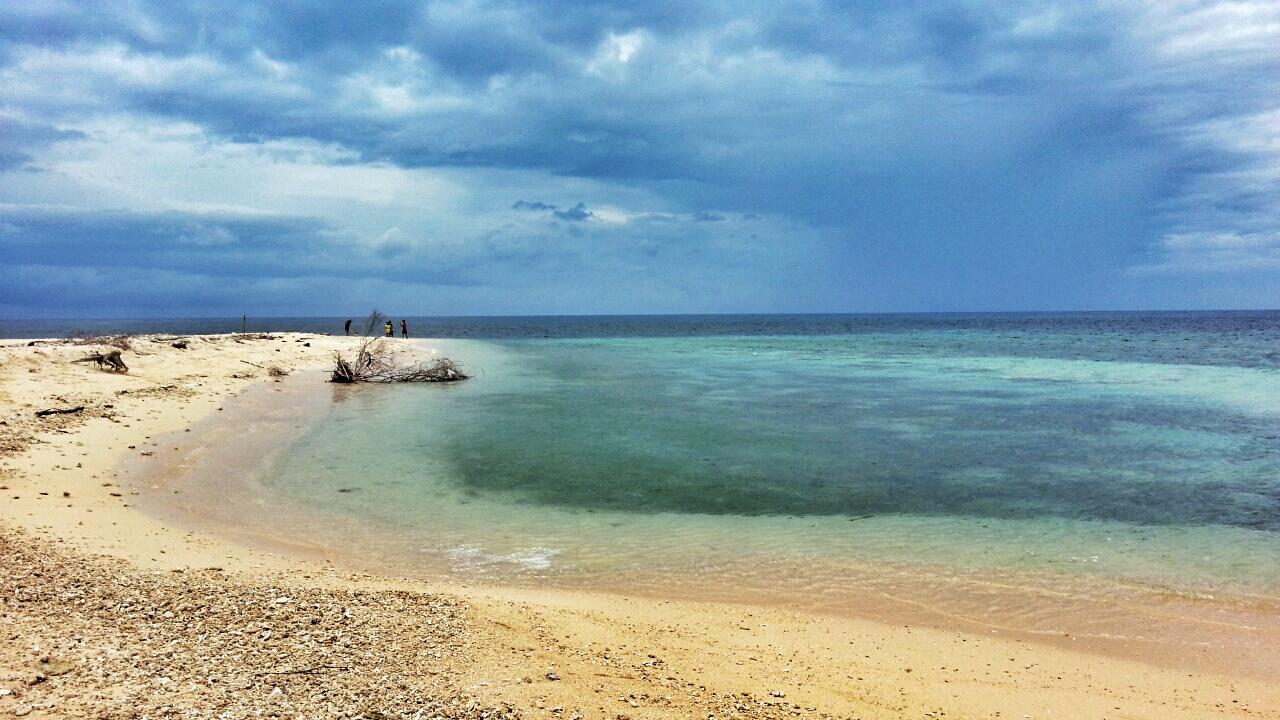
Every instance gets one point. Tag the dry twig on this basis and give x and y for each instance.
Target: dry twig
(273, 371)
(59, 411)
(376, 363)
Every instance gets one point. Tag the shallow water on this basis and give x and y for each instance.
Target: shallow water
(598, 457)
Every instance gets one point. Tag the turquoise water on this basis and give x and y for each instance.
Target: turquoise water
(1048, 451)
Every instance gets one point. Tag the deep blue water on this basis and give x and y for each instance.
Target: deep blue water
(1240, 338)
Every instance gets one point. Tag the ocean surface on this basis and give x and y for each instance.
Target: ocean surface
(753, 450)
(799, 456)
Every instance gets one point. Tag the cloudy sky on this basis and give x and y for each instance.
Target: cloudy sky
(512, 157)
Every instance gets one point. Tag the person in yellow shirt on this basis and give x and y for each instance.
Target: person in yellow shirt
(390, 331)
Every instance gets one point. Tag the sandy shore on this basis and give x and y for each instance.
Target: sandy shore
(108, 612)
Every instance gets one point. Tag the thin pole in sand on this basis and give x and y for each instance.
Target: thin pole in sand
(244, 324)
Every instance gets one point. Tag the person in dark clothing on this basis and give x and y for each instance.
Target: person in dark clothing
(404, 328)
(346, 329)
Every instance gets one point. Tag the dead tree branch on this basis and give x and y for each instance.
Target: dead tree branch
(109, 360)
(373, 323)
(376, 362)
(59, 411)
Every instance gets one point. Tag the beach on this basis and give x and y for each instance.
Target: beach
(114, 612)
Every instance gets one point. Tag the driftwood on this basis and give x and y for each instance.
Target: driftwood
(123, 342)
(273, 371)
(376, 363)
(155, 388)
(109, 360)
(59, 411)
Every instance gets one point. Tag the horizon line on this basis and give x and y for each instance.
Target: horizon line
(864, 313)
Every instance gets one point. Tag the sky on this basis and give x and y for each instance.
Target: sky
(474, 157)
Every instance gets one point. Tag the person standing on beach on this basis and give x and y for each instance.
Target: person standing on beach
(404, 329)
(346, 329)
(390, 330)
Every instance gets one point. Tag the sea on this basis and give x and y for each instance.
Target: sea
(946, 461)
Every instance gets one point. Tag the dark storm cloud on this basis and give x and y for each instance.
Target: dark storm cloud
(919, 139)
(216, 245)
(536, 205)
(577, 213)
(655, 125)
(228, 249)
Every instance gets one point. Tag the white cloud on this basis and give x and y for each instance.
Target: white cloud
(1216, 253)
(1195, 28)
(1211, 80)
(614, 53)
(136, 163)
